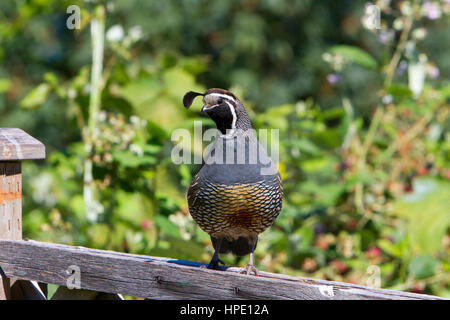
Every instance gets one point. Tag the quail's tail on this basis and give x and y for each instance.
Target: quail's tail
(239, 247)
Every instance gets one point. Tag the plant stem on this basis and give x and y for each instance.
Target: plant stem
(390, 71)
(97, 36)
(362, 159)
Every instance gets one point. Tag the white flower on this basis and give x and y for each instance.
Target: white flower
(327, 57)
(135, 33)
(405, 8)
(398, 24)
(134, 120)
(71, 93)
(416, 75)
(419, 33)
(101, 116)
(42, 189)
(115, 33)
(387, 99)
(137, 150)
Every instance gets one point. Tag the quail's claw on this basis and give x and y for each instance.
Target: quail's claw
(249, 269)
(214, 264)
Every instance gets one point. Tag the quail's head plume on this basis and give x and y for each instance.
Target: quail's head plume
(233, 202)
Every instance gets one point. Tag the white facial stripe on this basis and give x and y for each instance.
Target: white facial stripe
(209, 108)
(233, 112)
(221, 95)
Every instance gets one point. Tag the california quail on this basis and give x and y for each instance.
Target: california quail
(233, 200)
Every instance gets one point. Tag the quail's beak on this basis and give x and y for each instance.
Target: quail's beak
(204, 108)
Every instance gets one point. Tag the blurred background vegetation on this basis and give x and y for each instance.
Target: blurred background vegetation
(363, 115)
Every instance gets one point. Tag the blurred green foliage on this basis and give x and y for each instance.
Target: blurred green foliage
(363, 118)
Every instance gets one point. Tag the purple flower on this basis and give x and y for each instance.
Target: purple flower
(333, 78)
(433, 71)
(319, 228)
(386, 36)
(402, 67)
(431, 10)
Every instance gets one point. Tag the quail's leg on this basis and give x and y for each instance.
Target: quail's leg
(214, 263)
(250, 266)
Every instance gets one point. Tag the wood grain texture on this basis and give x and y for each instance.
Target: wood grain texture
(10, 200)
(165, 278)
(16, 144)
(10, 213)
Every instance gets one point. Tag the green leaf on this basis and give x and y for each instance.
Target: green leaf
(166, 226)
(355, 55)
(194, 65)
(316, 164)
(330, 138)
(275, 117)
(362, 176)
(4, 85)
(332, 113)
(36, 97)
(422, 266)
(426, 210)
(306, 234)
(324, 194)
(445, 91)
(133, 207)
(399, 90)
(179, 249)
(178, 82)
(51, 78)
(141, 91)
(390, 248)
(129, 159)
(307, 146)
(98, 234)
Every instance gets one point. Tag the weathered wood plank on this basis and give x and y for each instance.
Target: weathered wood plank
(164, 278)
(10, 200)
(10, 213)
(16, 144)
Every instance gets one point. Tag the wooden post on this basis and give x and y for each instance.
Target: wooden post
(15, 146)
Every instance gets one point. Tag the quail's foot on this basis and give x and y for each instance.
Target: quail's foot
(214, 264)
(250, 268)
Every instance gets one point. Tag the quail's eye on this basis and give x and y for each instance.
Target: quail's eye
(219, 101)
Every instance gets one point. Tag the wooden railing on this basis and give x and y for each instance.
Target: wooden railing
(26, 266)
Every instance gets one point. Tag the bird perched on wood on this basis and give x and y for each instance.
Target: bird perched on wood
(236, 199)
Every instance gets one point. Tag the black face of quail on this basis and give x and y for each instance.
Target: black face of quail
(221, 115)
(233, 202)
(223, 107)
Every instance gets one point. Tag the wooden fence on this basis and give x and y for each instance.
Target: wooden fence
(27, 266)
